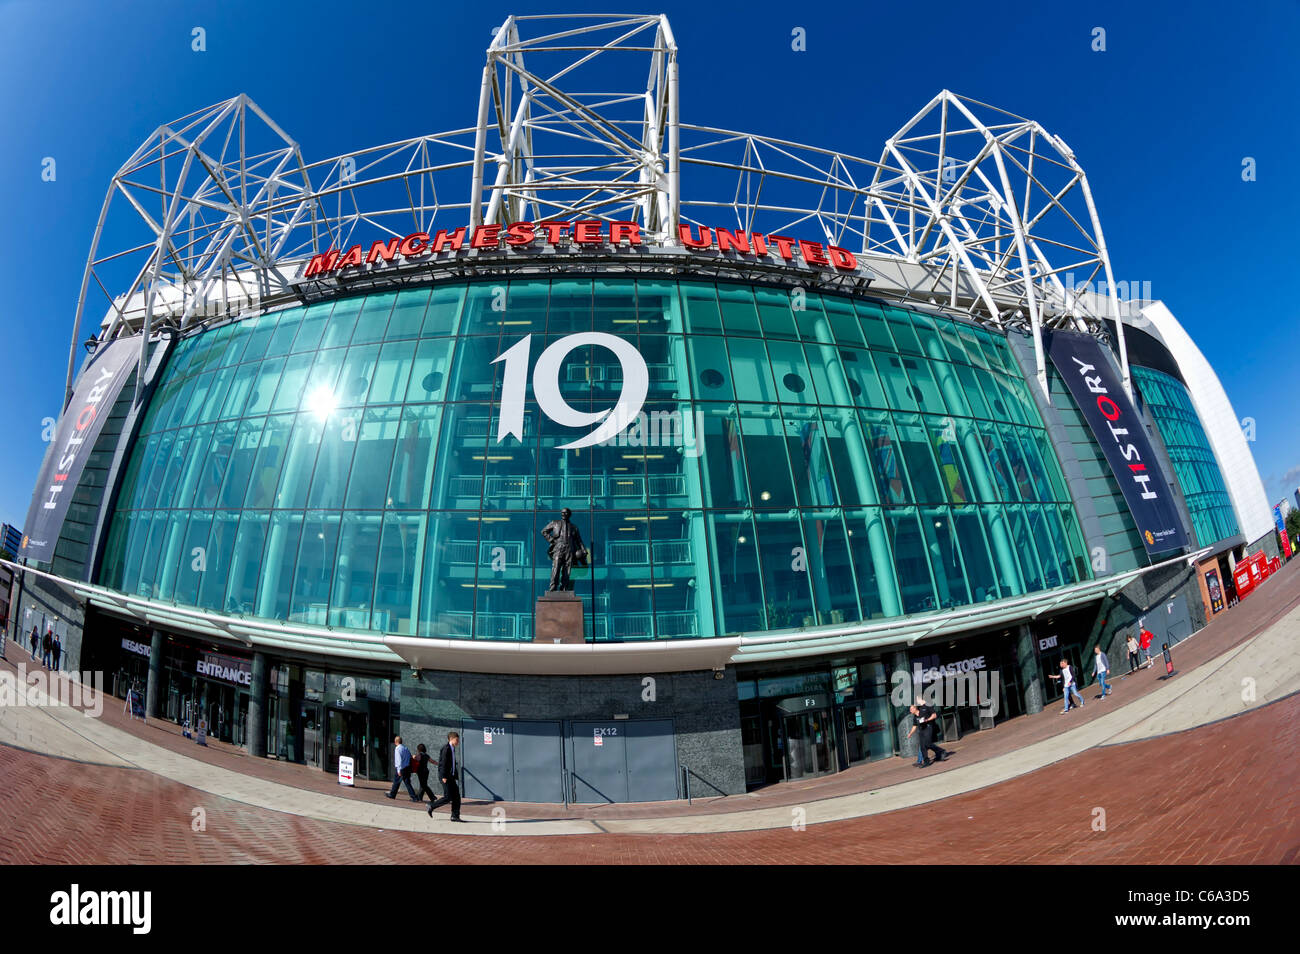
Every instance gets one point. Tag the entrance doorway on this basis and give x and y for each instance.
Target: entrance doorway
(1053, 688)
(313, 748)
(808, 744)
(346, 735)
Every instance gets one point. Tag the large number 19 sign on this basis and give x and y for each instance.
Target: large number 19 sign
(546, 387)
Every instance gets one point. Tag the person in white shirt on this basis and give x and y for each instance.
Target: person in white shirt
(1102, 669)
(1067, 684)
(402, 766)
(1133, 660)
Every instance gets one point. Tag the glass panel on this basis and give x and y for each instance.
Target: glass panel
(412, 471)
(289, 393)
(396, 597)
(945, 559)
(462, 447)
(844, 322)
(246, 563)
(783, 557)
(739, 316)
(408, 314)
(443, 316)
(736, 558)
(751, 370)
(354, 576)
(192, 560)
(263, 390)
(334, 462)
(975, 555)
(658, 307)
(373, 320)
(392, 372)
(286, 330)
(910, 550)
(774, 310)
(710, 369)
(374, 454)
(901, 327)
(428, 377)
(447, 583)
(700, 303)
(570, 307)
(265, 473)
(354, 379)
(790, 373)
(342, 322)
(312, 327)
(872, 318)
(243, 454)
(217, 560)
(299, 461)
(315, 568)
(276, 580)
(763, 438)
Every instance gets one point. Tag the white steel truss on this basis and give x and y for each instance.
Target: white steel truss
(973, 208)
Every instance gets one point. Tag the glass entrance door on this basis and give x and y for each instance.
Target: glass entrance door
(808, 744)
(346, 735)
(312, 743)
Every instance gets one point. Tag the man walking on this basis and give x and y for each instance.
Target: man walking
(920, 752)
(402, 764)
(1101, 666)
(46, 646)
(1133, 661)
(926, 722)
(56, 651)
(36, 639)
(1067, 684)
(448, 764)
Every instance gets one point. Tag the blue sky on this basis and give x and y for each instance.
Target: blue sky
(1161, 121)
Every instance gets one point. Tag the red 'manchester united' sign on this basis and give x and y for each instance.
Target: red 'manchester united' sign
(587, 233)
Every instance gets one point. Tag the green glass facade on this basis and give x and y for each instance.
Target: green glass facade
(799, 460)
(1193, 459)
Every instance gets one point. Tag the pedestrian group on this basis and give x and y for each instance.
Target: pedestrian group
(404, 764)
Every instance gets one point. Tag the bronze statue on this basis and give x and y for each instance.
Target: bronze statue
(565, 551)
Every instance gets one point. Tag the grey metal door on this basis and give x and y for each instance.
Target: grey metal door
(1178, 621)
(599, 763)
(538, 749)
(487, 763)
(651, 761)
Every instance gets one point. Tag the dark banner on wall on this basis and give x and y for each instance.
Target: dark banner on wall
(1094, 382)
(92, 400)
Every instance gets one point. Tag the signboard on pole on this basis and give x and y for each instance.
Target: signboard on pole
(1093, 381)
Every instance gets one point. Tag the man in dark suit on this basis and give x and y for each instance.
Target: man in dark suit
(448, 766)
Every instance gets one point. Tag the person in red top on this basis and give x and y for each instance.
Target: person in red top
(1144, 642)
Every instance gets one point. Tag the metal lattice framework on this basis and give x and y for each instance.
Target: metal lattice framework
(968, 206)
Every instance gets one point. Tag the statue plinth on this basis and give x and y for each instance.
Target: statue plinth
(559, 618)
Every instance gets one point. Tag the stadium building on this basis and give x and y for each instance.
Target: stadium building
(827, 425)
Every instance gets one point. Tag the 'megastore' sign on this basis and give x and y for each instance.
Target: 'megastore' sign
(589, 233)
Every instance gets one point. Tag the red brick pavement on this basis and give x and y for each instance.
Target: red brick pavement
(1229, 629)
(1210, 795)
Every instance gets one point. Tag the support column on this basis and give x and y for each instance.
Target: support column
(257, 708)
(1031, 673)
(152, 686)
(907, 747)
